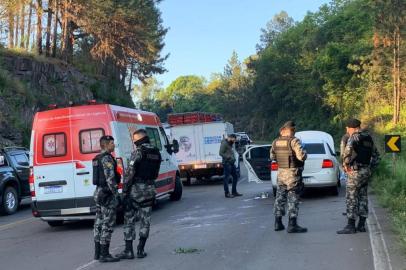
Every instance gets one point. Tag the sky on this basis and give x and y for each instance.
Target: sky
(203, 33)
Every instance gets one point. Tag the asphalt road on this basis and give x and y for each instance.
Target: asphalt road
(202, 231)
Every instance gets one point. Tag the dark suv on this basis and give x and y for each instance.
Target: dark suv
(14, 174)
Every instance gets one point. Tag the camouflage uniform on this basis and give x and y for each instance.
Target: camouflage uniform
(139, 199)
(289, 183)
(358, 178)
(106, 203)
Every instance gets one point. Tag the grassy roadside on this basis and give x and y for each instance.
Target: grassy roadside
(390, 188)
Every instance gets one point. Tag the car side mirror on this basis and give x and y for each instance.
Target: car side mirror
(175, 146)
(2, 160)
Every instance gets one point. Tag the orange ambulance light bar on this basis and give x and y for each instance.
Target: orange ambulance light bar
(52, 106)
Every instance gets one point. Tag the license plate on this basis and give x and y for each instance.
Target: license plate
(200, 166)
(53, 189)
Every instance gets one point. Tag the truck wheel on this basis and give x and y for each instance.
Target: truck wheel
(55, 223)
(9, 205)
(188, 180)
(176, 195)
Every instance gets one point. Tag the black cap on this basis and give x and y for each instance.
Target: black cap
(289, 124)
(107, 138)
(353, 123)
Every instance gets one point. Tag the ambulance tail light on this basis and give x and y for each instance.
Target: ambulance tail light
(31, 182)
(327, 163)
(120, 170)
(274, 166)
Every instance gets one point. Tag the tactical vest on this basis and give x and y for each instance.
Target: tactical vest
(363, 148)
(285, 155)
(148, 167)
(99, 178)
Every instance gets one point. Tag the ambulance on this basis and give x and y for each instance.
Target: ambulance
(65, 140)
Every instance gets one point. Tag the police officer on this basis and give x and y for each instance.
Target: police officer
(360, 156)
(287, 150)
(139, 192)
(227, 154)
(106, 196)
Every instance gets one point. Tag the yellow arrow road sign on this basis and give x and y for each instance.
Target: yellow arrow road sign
(392, 143)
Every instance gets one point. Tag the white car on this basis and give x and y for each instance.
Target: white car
(321, 167)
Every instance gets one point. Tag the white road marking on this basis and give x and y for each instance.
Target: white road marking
(12, 224)
(379, 249)
(91, 263)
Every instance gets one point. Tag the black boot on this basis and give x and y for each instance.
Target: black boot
(294, 228)
(140, 249)
(96, 250)
(105, 255)
(349, 228)
(361, 224)
(278, 224)
(128, 252)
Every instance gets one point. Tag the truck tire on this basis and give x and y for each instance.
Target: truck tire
(9, 205)
(188, 180)
(176, 195)
(55, 223)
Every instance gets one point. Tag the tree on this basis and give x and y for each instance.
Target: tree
(48, 29)
(279, 24)
(390, 19)
(39, 26)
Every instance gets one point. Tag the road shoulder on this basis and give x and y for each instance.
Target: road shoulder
(396, 256)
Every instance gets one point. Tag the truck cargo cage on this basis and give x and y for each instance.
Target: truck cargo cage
(187, 118)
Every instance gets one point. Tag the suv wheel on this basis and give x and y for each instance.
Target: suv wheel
(9, 205)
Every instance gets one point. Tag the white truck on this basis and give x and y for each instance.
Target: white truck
(199, 146)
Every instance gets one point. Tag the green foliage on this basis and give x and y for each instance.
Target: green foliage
(391, 190)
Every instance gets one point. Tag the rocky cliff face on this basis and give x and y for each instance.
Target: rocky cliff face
(28, 85)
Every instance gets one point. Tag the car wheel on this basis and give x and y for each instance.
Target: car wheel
(176, 195)
(9, 205)
(55, 223)
(274, 191)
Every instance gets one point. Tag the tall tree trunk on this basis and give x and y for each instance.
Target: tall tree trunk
(64, 15)
(398, 82)
(16, 25)
(39, 26)
(10, 29)
(48, 30)
(131, 78)
(27, 45)
(22, 26)
(55, 34)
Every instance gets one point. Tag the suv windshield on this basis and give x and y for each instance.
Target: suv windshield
(314, 148)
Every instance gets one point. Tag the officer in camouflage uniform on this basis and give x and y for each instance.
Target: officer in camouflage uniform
(139, 192)
(360, 156)
(106, 198)
(287, 150)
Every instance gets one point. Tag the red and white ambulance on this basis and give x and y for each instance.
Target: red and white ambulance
(63, 143)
